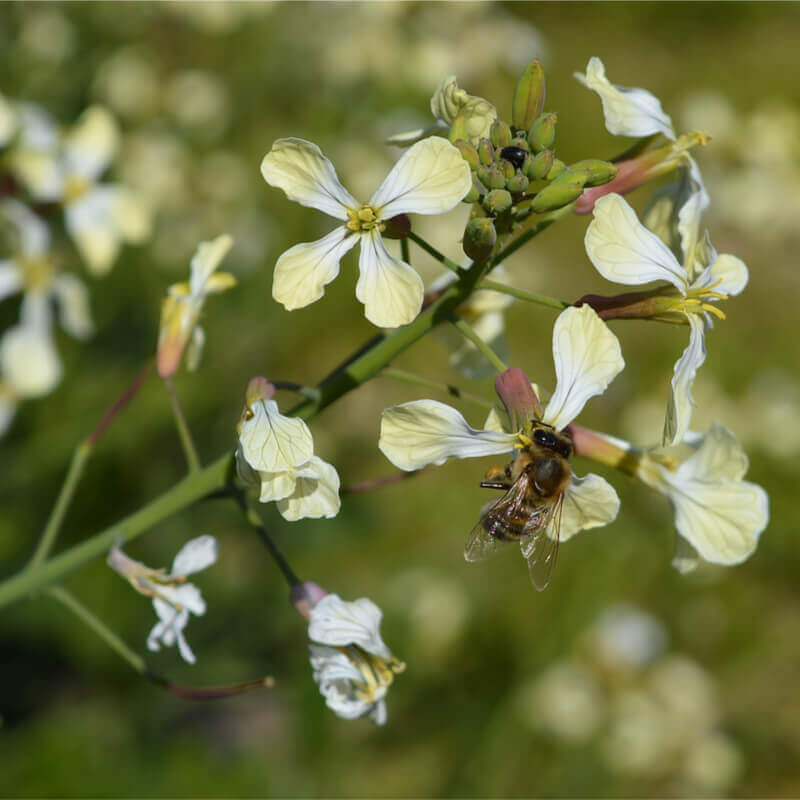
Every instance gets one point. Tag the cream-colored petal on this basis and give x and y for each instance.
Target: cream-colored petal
(194, 350)
(90, 222)
(729, 274)
(719, 455)
(407, 138)
(624, 251)
(205, 261)
(130, 214)
(306, 176)
(72, 297)
(424, 432)
(29, 362)
(338, 623)
(315, 495)
(685, 559)
(40, 172)
(680, 403)
(303, 271)
(390, 289)
(474, 115)
(271, 442)
(276, 486)
(721, 519)
(92, 143)
(34, 235)
(11, 278)
(589, 502)
(430, 178)
(587, 358)
(627, 111)
(195, 555)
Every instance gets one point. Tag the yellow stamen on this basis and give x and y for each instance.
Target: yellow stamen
(526, 441)
(363, 220)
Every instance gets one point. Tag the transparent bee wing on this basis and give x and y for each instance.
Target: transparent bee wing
(540, 546)
(499, 523)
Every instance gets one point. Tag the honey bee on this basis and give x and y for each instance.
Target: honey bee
(530, 510)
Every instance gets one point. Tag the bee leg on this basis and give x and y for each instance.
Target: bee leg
(495, 485)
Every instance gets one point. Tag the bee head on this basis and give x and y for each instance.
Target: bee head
(557, 442)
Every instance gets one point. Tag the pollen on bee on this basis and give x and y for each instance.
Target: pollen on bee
(494, 472)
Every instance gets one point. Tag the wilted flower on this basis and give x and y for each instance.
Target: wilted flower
(352, 665)
(173, 598)
(430, 178)
(180, 309)
(624, 251)
(587, 358)
(276, 453)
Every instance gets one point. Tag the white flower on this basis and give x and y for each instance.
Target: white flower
(173, 599)
(430, 178)
(587, 358)
(181, 308)
(276, 453)
(98, 217)
(624, 251)
(716, 512)
(352, 665)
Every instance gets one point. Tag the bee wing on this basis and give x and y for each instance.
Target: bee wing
(540, 546)
(497, 518)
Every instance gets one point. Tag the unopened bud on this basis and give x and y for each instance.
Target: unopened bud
(593, 171)
(556, 195)
(397, 227)
(558, 167)
(528, 96)
(518, 184)
(304, 596)
(498, 201)
(543, 132)
(483, 175)
(475, 193)
(486, 152)
(497, 180)
(507, 168)
(500, 134)
(479, 238)
(468, 153)
(540, 165)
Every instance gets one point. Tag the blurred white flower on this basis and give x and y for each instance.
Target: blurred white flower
(430, 178)
(173, 599)
(48, 35)
(180, 309)
(276, 454)
(199, 101)
(352, 665)
(129, 83)
(624, 638)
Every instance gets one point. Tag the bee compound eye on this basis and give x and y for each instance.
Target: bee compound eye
(544, 438)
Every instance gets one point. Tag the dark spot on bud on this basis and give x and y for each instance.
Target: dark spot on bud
(514, 155)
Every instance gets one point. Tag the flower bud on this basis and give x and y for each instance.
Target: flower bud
(521, 141)
(593, 171)
(543, 132)
(486, 152)
(468, 153)
(517, 185)
(500, 134)
(497, 180)
(514, 388)
(483, 174)
(528, 96)
(475, 193)
(557, 168)
(479, 238)
(556, 195)
(498, 201)
(507, 168)
(540, 165)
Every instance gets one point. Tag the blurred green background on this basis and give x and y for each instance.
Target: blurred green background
(201, 91)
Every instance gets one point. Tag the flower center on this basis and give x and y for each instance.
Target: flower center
(696, 301)
(75, 188)
(377, 672)
(38, 272)
(364, 220)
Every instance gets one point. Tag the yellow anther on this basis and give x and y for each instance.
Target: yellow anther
(713, 310)
(526, 441)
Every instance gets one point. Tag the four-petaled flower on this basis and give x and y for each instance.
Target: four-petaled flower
(587, 358)
(430, 178)
(624, 251)
(352, 665)
(173, 598)
(276, 453)
(181, 308)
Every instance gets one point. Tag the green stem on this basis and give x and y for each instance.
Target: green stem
(185, 435)
(53, 526)
(469, 333)
(432, 251)
(521, 294)
(525, 231)
(380, 352)
(100, 628)
(404, 251)
(447, 388)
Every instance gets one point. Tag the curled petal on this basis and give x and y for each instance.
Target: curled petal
(679, 406)
(719, 455)
(92, 143)
(271, 442)
(729, 274)
(338, 623)
(315, 494)
(91, 222)
(195, 555)
(424, 432)
(306, 176)
(275, 486)
(589, 502)
(390, 289)
(628, 112)
(587, 358)
(430, 178)
(624, 251)
(472, 115)
(303, 271)
(206, 259)
(169, 630)
(407, 138)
